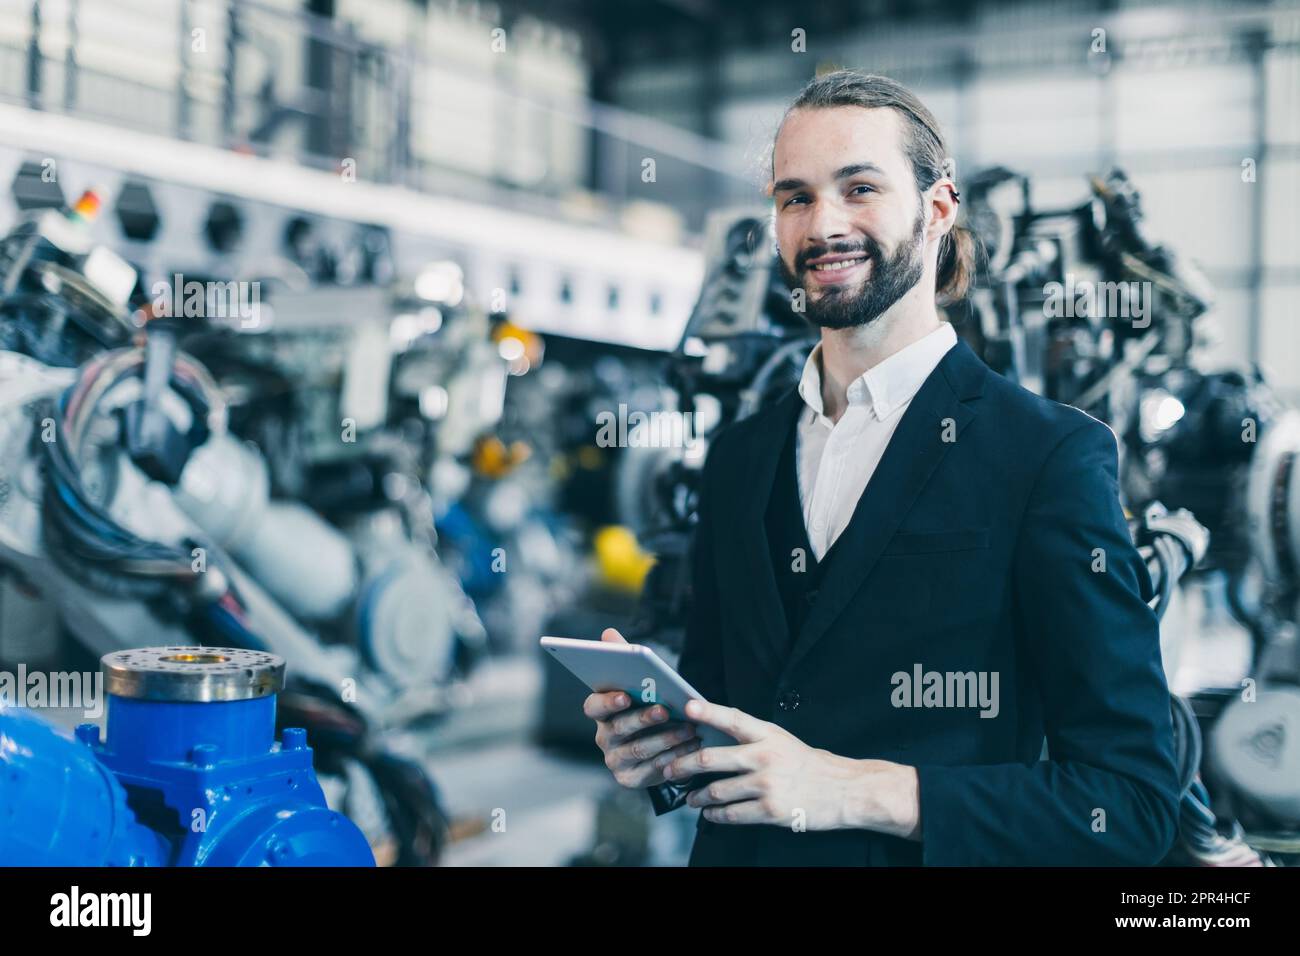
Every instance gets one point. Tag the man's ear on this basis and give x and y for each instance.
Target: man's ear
(941, 208)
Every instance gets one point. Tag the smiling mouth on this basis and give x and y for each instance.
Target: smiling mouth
(839, 270)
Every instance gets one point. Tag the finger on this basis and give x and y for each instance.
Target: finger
(749, 811)
(722, 792)
(736, 723)
(647, 747)
(625, 725)
(611, 636)
(668, 756)
(601, 706)
(712, 760)
(647, 774)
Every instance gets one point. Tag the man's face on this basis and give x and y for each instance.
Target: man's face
(845, 198)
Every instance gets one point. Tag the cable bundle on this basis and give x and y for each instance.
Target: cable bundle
(90, 545)
(1197, 825)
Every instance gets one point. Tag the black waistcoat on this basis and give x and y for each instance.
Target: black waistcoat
(798, 572)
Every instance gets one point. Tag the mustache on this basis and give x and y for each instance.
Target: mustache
(870, 249)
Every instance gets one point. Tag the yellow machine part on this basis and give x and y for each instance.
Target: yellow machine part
(620, 561)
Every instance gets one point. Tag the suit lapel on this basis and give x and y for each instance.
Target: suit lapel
(915, 450)
(758, 472)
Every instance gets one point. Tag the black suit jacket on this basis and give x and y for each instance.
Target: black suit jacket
(976, 547)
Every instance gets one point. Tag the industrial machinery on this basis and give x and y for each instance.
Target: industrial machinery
(151, 515)
(142, 494)
(359, 407)
(188, 773)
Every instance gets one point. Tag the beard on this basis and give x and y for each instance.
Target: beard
(889, 279)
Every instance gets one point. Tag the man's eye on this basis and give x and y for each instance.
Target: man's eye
(792, 199)
(862, 186)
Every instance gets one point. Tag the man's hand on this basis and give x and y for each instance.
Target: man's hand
(639, 743)
(783, 781)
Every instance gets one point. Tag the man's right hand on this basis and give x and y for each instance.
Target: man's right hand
(637, 743)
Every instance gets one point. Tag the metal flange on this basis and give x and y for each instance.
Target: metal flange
(192, 674)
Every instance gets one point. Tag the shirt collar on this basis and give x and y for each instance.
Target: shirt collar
(889, 384)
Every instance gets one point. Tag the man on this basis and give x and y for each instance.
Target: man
(909, 574)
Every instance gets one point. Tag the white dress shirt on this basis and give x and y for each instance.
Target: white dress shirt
(837, 459)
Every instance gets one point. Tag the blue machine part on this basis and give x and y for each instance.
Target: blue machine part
(188, 774)
(59, 806)
(474, 552)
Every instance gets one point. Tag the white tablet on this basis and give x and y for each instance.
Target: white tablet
(637, 671)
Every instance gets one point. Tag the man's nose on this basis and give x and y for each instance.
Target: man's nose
(829, 221)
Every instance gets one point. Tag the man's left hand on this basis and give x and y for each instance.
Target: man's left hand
(784, 782)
